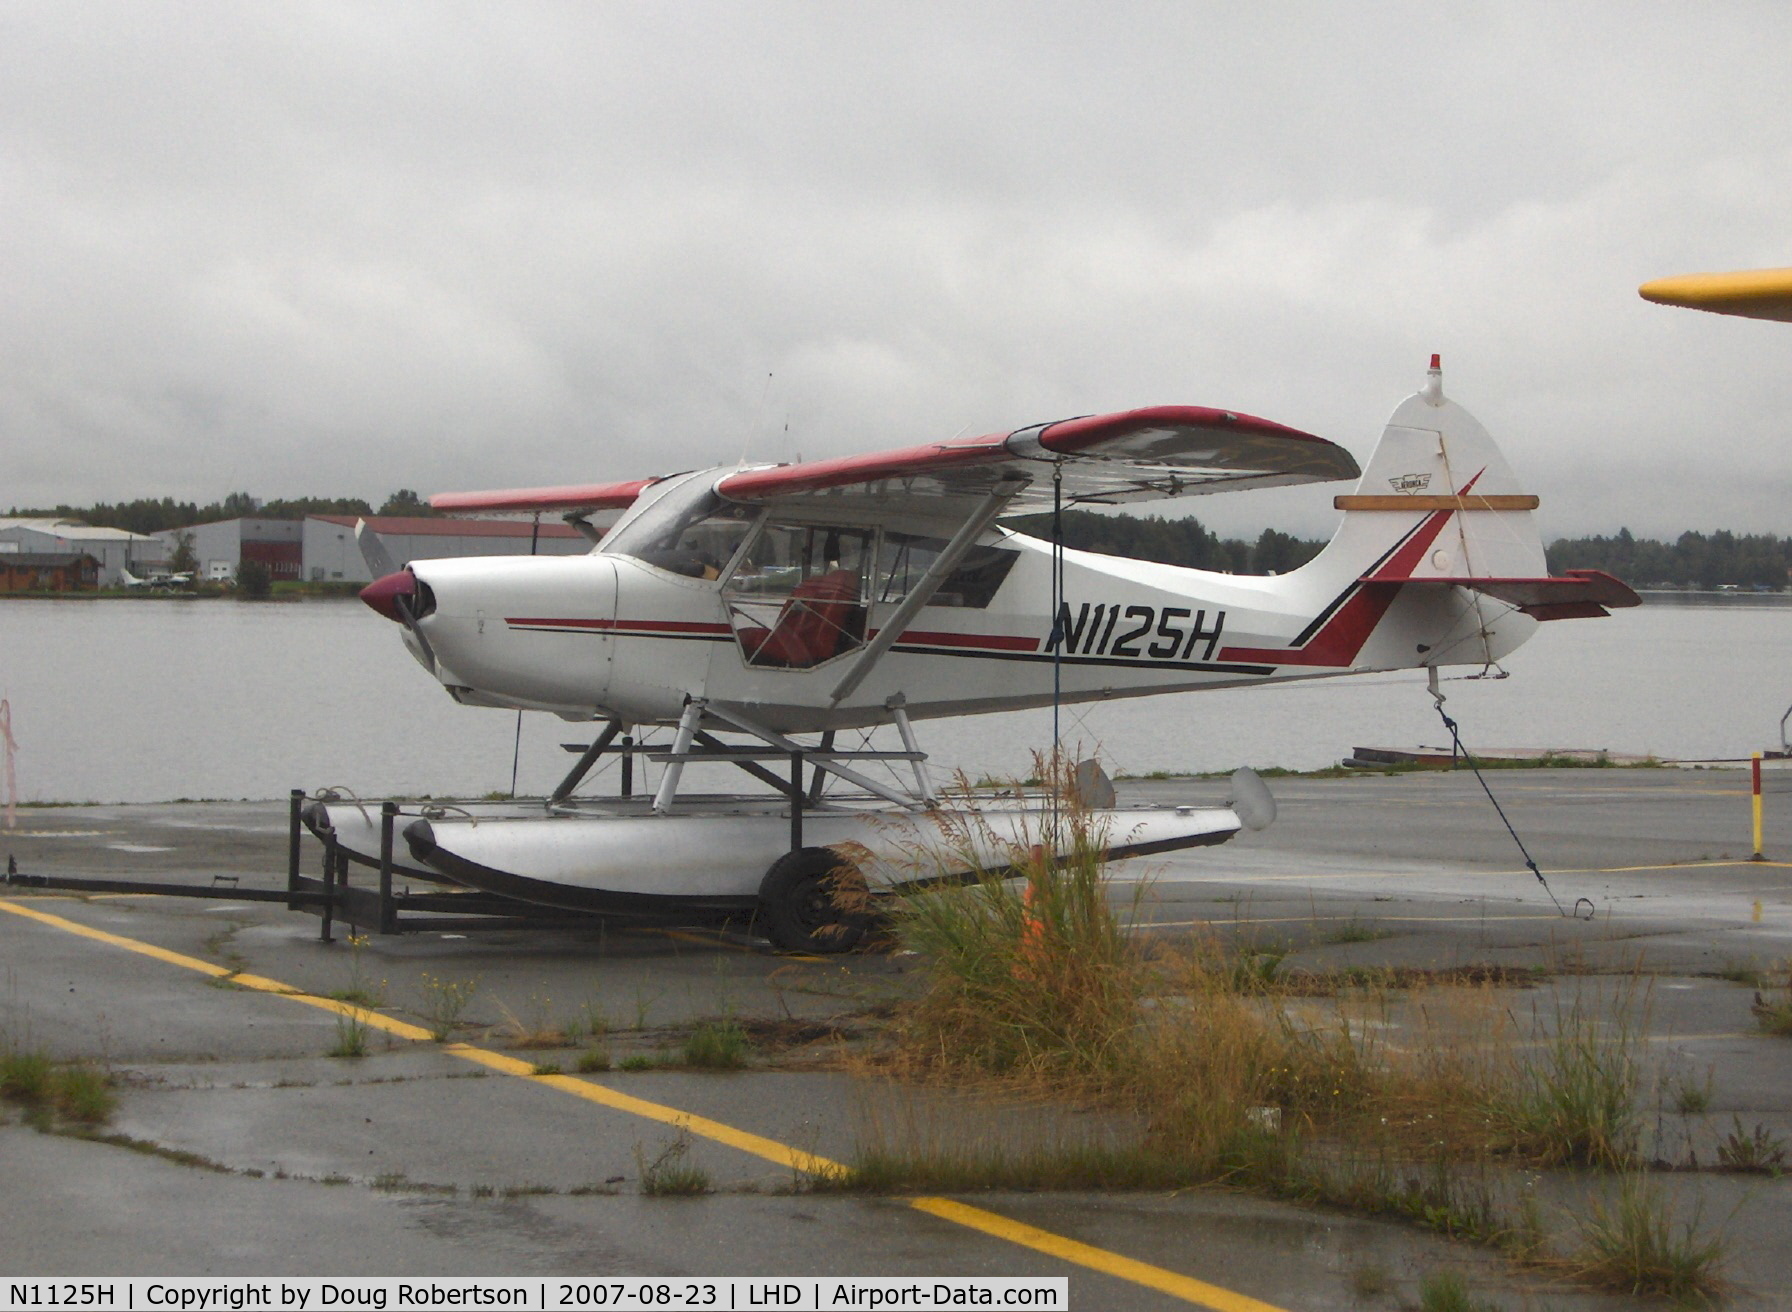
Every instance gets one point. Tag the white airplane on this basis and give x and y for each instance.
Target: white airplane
(155, 581)
(788, 603)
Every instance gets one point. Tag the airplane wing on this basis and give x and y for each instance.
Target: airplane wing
(1136, 455)
(577, 500)
(1105, 460)
(1751, 293)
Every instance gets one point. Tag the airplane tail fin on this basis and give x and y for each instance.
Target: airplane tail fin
(1439, 539)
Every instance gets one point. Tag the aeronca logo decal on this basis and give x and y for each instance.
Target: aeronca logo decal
(1410, 482)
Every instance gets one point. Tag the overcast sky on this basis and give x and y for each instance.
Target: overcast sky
(297, 248)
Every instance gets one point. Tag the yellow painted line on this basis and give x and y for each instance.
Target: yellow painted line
(1323, 876)
(975, 1218)
(1369, 919)
(1096, 1259)
(1675, 865)
(1703, 1038)
(118, 941)
(701, 940)
(258, 983)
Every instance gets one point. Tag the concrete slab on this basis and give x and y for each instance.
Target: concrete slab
(1410, 871)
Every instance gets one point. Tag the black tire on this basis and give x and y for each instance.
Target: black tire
(814, 900)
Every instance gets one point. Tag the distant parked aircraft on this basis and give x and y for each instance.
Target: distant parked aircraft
(156, 582)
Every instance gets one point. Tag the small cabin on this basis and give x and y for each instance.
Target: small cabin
(48, 571)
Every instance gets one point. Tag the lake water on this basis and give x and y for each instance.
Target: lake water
(134, 700)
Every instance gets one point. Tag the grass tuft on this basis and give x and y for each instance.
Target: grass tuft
(1635, 1246)
(717, 1046)
(670, 1173)
(27, 1078)
(1027, 975)
(443, 1002)
(83, 1094)
(1447, 1291)
(535, 1029)
(77, 1092)
(1760, 1152)
(1577, 1105)
(1773, 1001)
(351, 1036)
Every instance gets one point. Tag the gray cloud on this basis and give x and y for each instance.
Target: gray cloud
(310, 248)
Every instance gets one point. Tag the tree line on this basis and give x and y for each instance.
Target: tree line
(1175, 542)
(1692, 560)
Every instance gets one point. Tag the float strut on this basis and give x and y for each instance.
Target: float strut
(292, 848)
(818, 779)
(388, 915)
(576, 775)
(681, 746)
(923, 780)
(796, 801)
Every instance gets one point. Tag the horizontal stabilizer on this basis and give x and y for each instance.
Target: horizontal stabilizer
(1579, 594)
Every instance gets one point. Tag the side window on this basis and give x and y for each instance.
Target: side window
(904, 558)
(798, 596)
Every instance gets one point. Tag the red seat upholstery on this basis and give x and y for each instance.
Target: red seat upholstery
(820, 619)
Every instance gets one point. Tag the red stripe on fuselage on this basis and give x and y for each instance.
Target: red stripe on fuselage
(644, 628)
(984, 641)
(689, 628)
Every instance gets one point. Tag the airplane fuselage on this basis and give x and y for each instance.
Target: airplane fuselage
(606, 635)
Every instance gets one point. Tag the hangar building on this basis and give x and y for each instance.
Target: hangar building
(322, 548)
(115, 549)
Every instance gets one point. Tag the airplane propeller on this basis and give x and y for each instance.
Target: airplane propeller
(373, 550)
(393, 590)
(394, 596)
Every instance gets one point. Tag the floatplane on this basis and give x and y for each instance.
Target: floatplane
(155, 582)
(754, 613)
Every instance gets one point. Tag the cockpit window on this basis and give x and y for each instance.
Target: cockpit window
(906, 557)
(690, 531)
(798, 596)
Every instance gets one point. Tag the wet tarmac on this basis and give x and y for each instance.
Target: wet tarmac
(241, 1146)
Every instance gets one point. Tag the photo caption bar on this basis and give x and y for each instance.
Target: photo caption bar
(535, 1294)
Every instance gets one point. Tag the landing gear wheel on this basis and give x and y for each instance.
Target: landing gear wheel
(814, 900)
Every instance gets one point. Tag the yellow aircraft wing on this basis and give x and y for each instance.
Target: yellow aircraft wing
(1751, 293)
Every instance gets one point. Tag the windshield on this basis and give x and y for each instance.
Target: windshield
(689, 531)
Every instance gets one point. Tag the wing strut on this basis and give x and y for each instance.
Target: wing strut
(922, 593)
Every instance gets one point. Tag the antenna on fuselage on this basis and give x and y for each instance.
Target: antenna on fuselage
(765, 396)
